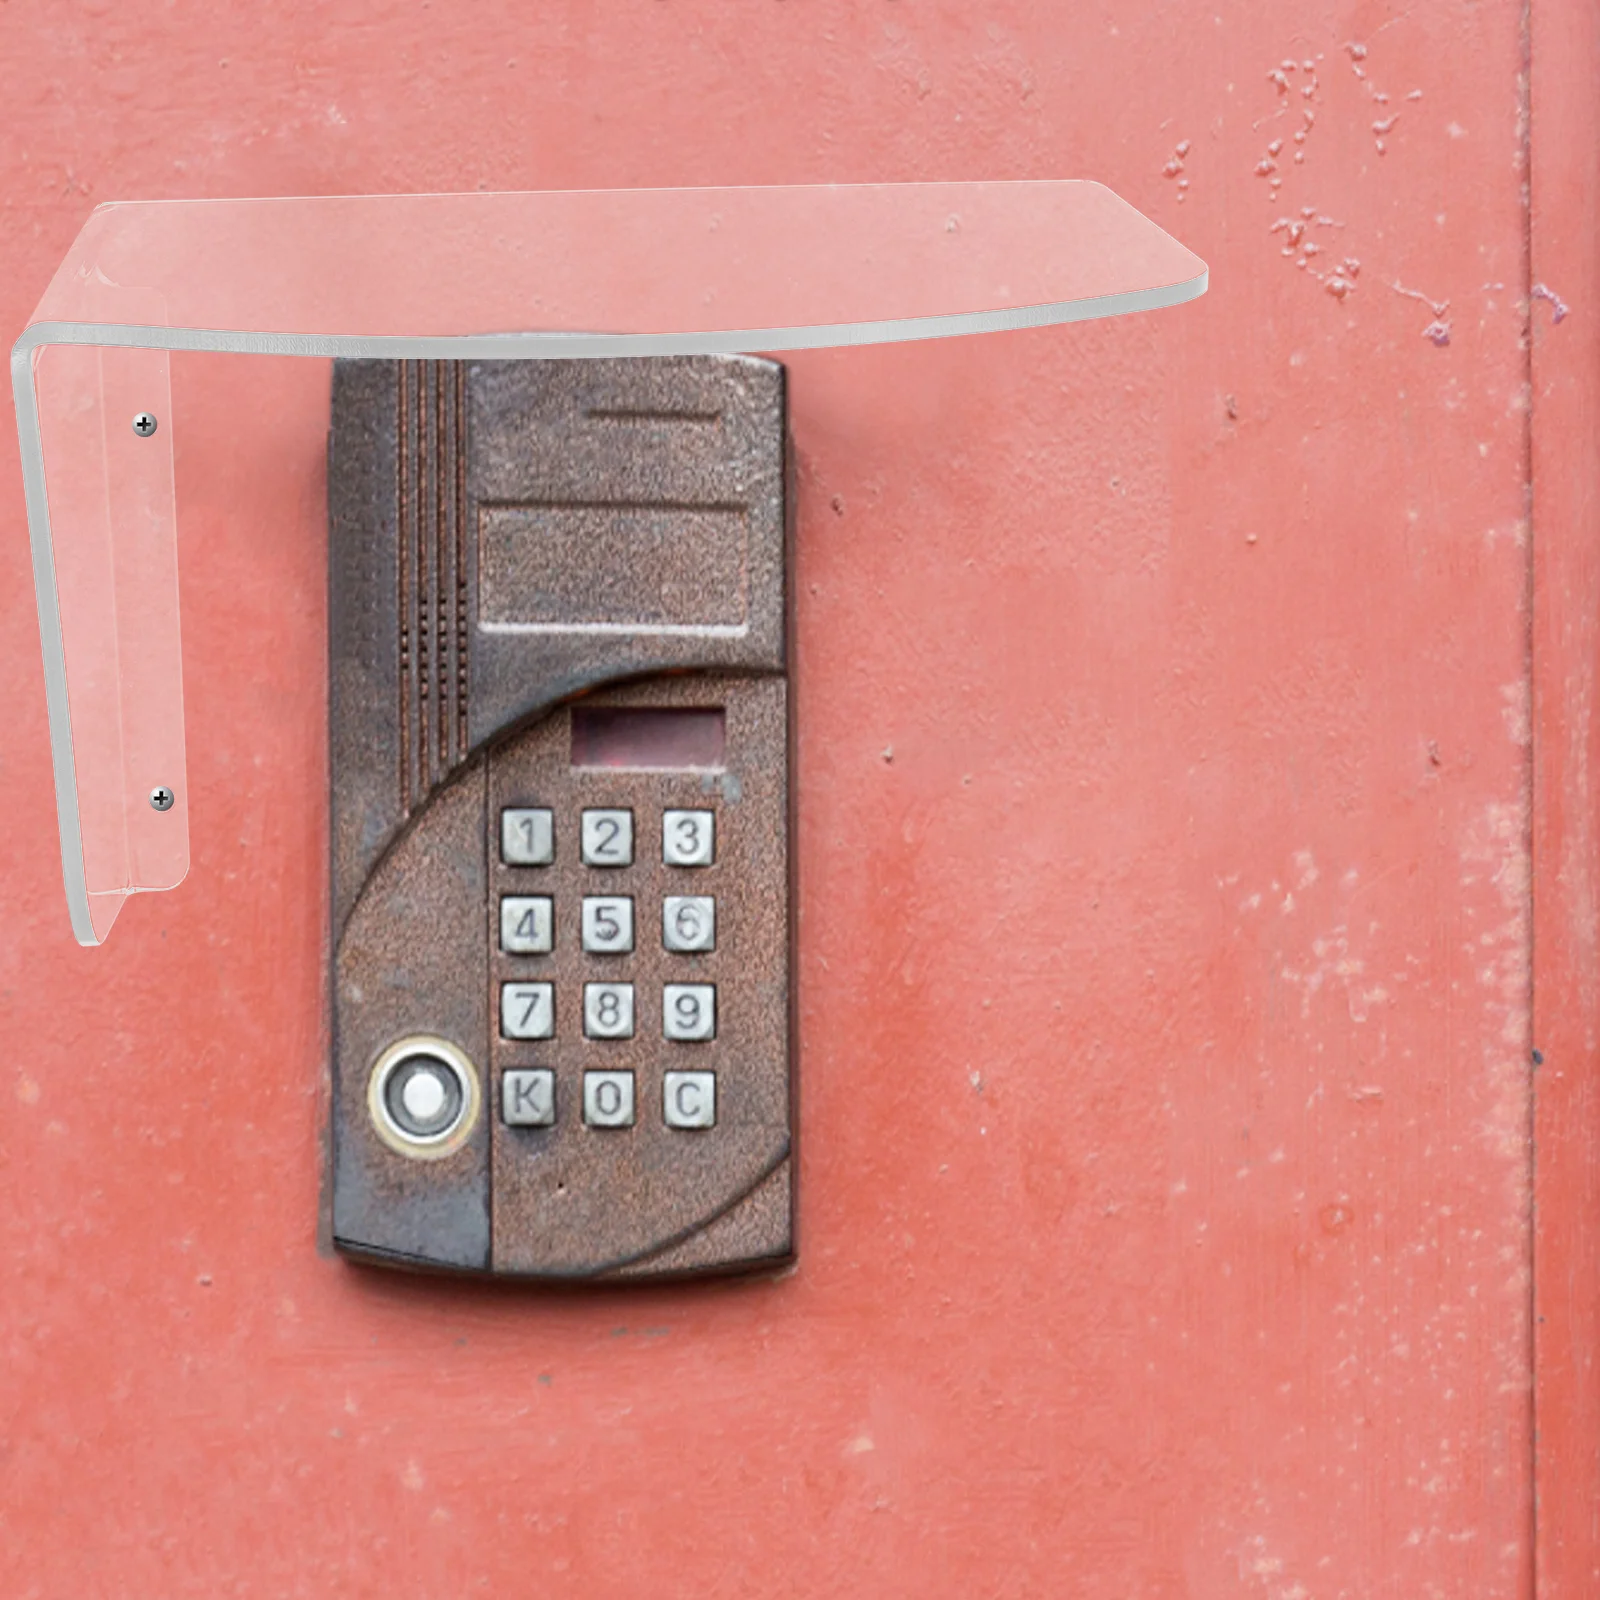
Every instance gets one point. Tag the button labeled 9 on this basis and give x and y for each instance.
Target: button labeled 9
(689, 1011)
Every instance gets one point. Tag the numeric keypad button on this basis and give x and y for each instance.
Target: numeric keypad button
(607, 838)
(607, 924)
(528, 1097)
(527, 1010)
(689, 922)
(689, 1011)
(527, 836)
(608, 1010)
(608, 1099)
(688, 838)
(689, 1099)
(526, 924)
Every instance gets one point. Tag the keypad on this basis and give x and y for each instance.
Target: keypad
(609, 1007)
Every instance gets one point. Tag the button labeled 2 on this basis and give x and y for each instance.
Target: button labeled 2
(608, 838)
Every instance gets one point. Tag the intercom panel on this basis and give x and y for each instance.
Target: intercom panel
(560, 723)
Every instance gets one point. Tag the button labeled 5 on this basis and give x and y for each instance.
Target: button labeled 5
(608, 924)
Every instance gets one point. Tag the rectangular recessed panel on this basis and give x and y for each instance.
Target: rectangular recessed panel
(643, 739)
(565, 568)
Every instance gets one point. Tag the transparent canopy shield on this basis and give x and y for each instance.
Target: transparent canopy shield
(502, 276)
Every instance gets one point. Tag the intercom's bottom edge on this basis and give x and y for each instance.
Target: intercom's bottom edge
(758, 1267)
(361, 1253)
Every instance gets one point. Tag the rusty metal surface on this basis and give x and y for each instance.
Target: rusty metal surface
(502, 534)
(411, 961)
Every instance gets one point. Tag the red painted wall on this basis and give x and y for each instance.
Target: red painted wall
(1164, 861)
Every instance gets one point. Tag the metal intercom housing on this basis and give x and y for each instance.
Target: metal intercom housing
(560, 752)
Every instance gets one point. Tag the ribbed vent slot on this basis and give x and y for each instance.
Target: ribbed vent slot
(430, 459)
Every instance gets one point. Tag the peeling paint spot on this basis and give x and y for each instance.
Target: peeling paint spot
(1558, 306)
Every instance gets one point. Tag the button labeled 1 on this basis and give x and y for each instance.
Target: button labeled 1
(527, 836)
(688, 838)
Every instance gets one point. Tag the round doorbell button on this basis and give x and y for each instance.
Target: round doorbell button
(423, 1097)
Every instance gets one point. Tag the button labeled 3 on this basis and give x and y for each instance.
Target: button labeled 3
(688, 838)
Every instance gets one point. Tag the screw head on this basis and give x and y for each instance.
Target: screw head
(162, 798)
(144, 424)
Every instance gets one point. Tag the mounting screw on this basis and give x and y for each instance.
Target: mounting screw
(144, 424)
(161, 797)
